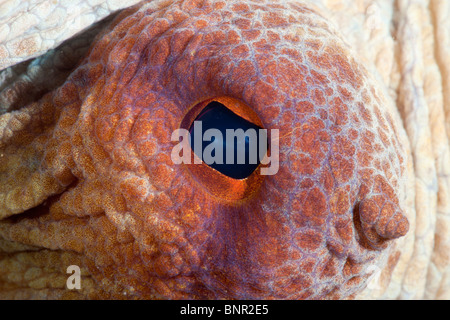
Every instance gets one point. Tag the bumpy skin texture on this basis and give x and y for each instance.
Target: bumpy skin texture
(88, 166)
(29, 28)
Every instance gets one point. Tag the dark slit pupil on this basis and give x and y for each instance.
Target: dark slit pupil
(223, 157)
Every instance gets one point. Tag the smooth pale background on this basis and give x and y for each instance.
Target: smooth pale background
(406, 43)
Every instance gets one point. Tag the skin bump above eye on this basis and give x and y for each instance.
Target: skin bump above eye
(98, 150)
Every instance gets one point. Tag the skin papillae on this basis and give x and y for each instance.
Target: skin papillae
(87, 179)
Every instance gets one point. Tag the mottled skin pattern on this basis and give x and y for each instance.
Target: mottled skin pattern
(86, 170)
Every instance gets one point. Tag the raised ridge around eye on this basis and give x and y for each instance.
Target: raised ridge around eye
(228, 180)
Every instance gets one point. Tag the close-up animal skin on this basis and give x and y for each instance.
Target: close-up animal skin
(357, 209)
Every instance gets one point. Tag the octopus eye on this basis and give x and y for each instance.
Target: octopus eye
(228, 141)
(234, 146)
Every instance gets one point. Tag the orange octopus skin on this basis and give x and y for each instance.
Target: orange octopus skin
(86, 170)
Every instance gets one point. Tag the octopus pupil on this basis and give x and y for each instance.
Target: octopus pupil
(237, 159)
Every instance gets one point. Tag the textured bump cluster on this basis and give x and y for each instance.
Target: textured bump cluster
(98, 149)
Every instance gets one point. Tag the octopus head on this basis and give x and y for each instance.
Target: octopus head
(170, 230)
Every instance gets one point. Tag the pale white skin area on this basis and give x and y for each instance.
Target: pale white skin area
(30, 28)
(406, 45)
